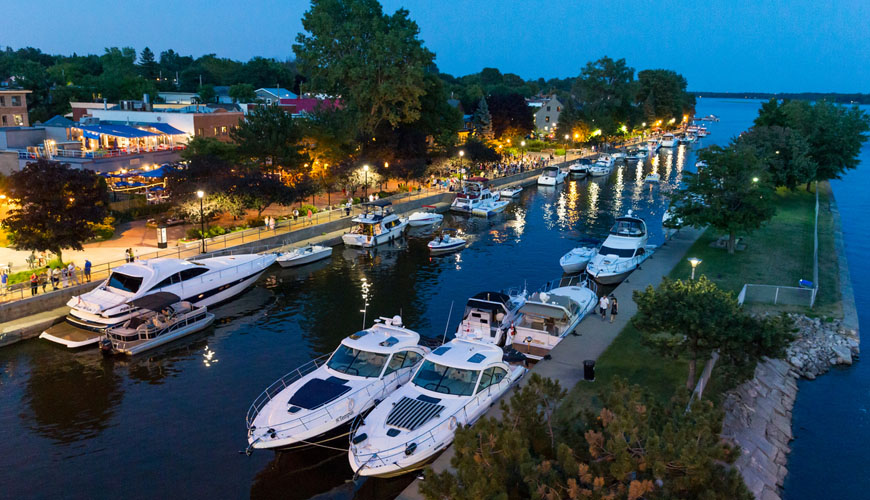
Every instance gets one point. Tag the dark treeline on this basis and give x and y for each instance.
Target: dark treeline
(801, 96)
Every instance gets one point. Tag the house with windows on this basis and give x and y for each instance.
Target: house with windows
(274, 95)
(547, 115)
(13, 108)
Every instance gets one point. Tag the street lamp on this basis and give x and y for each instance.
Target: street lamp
(694, 261)
(755, 179)
(523, 151)
(567, 138)
(200, 194)
(461, 154)
(366, 170)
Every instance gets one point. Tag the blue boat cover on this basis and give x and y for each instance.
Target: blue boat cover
(317, 392)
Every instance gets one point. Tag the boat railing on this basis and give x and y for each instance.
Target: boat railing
(149, 330)
(281, 384)
(426, 437)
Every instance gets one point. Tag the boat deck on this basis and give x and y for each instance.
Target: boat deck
(71, 335)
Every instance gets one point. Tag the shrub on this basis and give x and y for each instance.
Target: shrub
(303, 210)
(104, 230)
(210, 232)
(258, 222)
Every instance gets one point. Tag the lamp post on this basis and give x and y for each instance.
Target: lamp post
(461, 154)
(694, 261)
(567, 138)
(522, 151)
(200, 194)
(366, 170)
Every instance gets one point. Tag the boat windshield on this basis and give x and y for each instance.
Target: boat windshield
(357, 362)
(627, 227)
(446, 379)
(125, 282)
(619, 252)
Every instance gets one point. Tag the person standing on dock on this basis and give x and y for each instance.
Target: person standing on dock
(88, 270)
(4, 280)
(603, 304)
(614, 308)
(34, 281)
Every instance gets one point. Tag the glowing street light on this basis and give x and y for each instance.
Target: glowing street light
(755, 179)
(200, 194)
(523, 152)
(567, 138)
(694, 261)
(366, 170)
(461, 154)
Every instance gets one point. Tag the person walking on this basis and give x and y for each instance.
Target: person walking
(4, 280)
(73, 274)
(295, 214)
(43, 279)
(55, 278)
(88, 270)
(34, 281)
(614, 308)
(603, 304)
(310, 214)
(64, 276)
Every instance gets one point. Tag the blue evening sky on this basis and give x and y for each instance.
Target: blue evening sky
(724, 45)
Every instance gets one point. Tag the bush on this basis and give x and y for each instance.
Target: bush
(141, 212)
(104, 230)
(210, 232)
(303, 210)
(259, 222)
(559, 152)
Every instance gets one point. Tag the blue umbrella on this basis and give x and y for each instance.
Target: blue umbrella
(122, 184)
(136, 184)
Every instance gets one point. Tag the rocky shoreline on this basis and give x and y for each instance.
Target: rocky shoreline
(758, 412)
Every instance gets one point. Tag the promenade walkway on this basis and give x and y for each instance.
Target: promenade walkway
(566, 365)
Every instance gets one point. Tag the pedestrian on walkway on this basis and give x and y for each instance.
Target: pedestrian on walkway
(73, 274)
(310, 214)
(55, 278)
(603, 304)
(614, 308)
(43, 279)
(4, 280)
(64, 276)
(295, 214)
(34, 281)
(347, 207)
(88, 270)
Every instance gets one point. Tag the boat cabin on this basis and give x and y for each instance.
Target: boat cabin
(631, 227)
(476, 187)
(546, 313)
(378, 218)
(483, 316)
(455, 368)
(365, 353)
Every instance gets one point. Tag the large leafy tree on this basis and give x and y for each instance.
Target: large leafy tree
(662, 93)
(374, 61)
(511, 116)
(731, 194)
(784, 152)
(606, 90)
(55, 206)
(633, 448)
(242, 92)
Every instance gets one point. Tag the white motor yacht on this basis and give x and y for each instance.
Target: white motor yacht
(549, 315)
(653, 146)
(376, 226)
(652, 177)
(474, 192)
(425, 217)
(576, 260)
(162, 318)
(642, 153)
(202, 282)
(580, 167)
(601, 168)
(310, 403)
(618, 155)
(551, 176)
(623, 250)
(511, 192)
(490, 207)
(446, 242)
(669, 141)
(304, 255)
(489, 315)
(455, 386)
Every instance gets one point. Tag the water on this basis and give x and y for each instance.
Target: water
(171, 423)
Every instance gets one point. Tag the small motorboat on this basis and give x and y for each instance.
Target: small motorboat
(378, 225)
(580, 167)
(490, 207)
(576, 260)
(310, 403)
(456, 384)
(489, 315)
(600, 170)
(551, 176)
(653, 177)
(426, 217)
(304, 255)
(700, 164)
(669, 141)
(446, 243)
(511, 192)
(619, 155)
(642, 153)
(162, 317)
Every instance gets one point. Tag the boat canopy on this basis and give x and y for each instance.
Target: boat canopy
(553, 311)
(478, 179)
(628, 226)
(156, 301)
(378, 203)
(494, 302)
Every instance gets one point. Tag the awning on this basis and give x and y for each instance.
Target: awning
(156, 301)
(165, 128)
(95, 131)
(157, 172)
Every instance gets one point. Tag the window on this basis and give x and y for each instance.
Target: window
(2, 100)
(548, 108)
(224, 130)
(402, 359)
(547, 119)
(169, 281)
(5, 120)
(191, 273)
(18, 120)
(445, 379)
(491, 376)
(124, 282)
(357, 362)
(619, 252)
(268, 101)
(215, 131)
(199, 131)
(16, 100)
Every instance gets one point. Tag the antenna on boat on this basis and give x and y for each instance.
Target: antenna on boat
(444, 339)
(365, 295)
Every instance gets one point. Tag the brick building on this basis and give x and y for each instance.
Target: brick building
(13, 108)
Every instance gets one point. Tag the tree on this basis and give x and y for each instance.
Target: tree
(375, 62)
(771, 114)
(482, 121)
(242, 92)
(147, 65)
(732, 193)
(511, 116)
(55, 206)
(478, 151)
(206, 93)
(634, 447)
(784, 152)
(571, 122)
(606, 91)
(663, 95)
(693, 318)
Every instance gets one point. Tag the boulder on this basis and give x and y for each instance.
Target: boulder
(844, 354)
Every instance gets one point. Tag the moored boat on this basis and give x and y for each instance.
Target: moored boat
(303, 255)
(652, 177)
(624, 249)
(511, 192)
(446, 242)
(668, 141)
(474, 192)
(551, 176)
(425, 217)
(580, 167)
(376, 226)
(489, 315)
(575, 260)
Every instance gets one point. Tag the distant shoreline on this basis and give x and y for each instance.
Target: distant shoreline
(804, 96)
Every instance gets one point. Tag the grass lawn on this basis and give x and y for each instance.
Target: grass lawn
(780, 253)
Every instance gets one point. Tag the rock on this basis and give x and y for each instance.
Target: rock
(844, 354)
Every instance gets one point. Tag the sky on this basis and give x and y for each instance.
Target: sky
(718, 45)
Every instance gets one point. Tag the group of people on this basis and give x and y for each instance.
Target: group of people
(605, 303)
(270, 223)
(61, 277)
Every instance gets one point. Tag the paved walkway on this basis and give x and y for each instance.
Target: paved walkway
(566, 365)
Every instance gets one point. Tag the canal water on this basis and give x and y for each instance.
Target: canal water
(171, 423)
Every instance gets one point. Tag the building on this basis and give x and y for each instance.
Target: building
(13, 108)
(547, 115)
(178, 97)
(274, 95)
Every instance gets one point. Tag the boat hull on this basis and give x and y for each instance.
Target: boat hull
(574, 267)
(169, 337)
(453, 247)
(362, 241)
(307, 259)
(611, 278)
